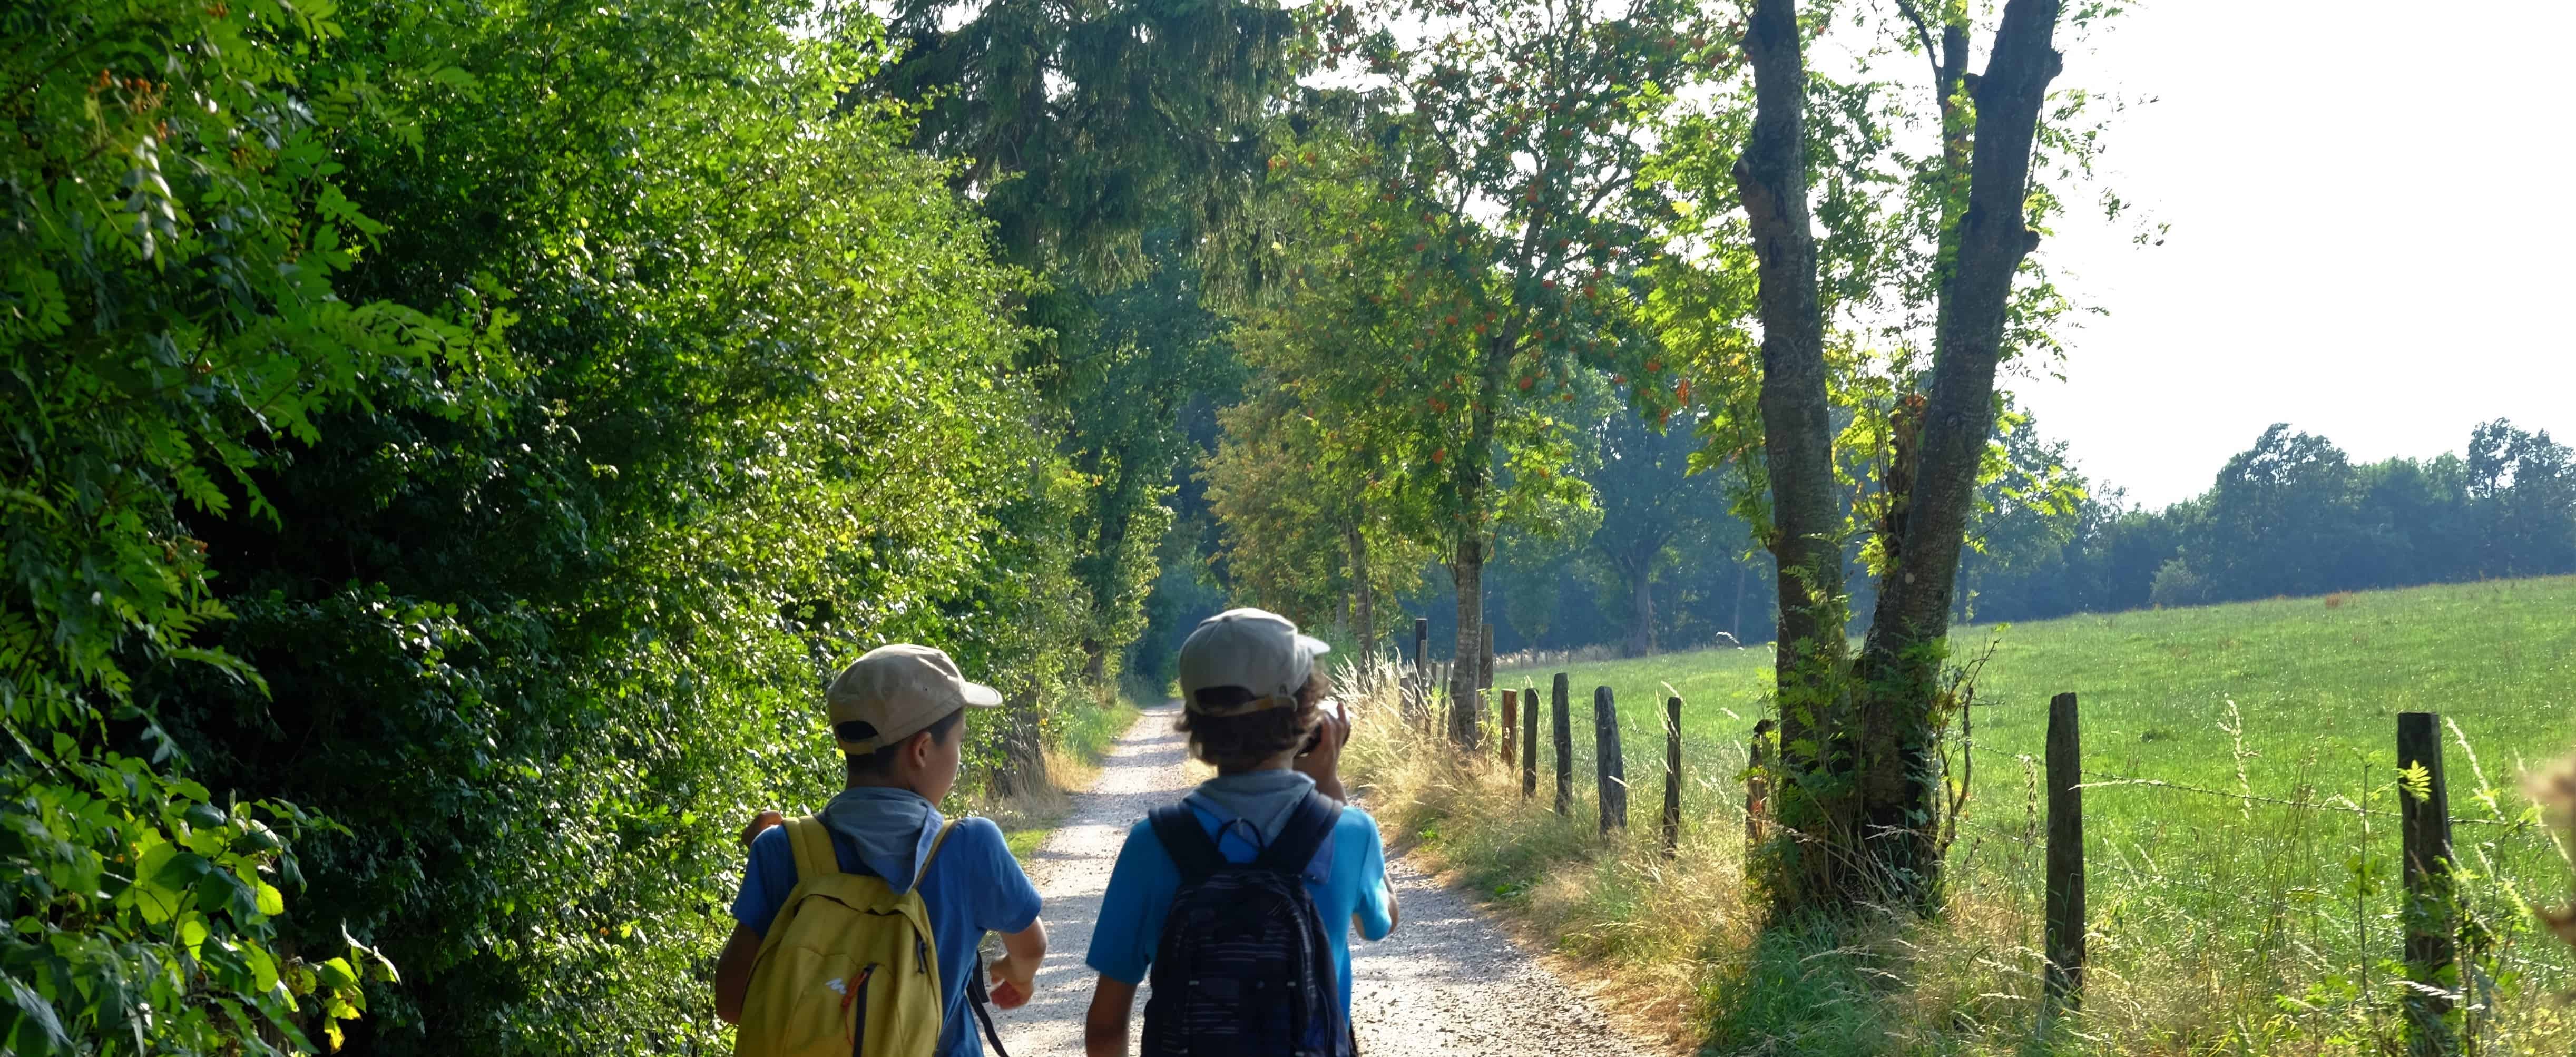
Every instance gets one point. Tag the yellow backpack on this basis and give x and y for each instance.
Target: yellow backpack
(848, 966)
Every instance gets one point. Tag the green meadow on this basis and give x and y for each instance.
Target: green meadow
(2239, 821)
(2313, 684)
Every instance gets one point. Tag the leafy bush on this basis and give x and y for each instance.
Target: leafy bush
(715, 387)
(173, 309)
(2177, 584)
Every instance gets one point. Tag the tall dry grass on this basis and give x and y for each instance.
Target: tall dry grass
(2275, 933)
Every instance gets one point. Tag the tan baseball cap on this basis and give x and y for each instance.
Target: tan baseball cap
(1257, 650)
(901, 690)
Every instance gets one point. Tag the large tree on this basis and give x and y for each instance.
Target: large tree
(1859, 732)
(1117, 146)
(2522, 488)
(1506, 208)
(1652, 518)
(1313, 528)
(1151, 347)
(1085, 124)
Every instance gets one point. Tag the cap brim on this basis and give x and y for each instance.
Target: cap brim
(1313, 646)
(979, 695)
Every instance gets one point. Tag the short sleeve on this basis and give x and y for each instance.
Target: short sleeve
(1141, 887)
(766, 880)
(1370, 875)
(1005, 901)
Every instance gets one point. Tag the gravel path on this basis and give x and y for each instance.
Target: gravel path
(1447, 982)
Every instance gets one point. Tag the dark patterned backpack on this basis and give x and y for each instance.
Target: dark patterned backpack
(1244, 966)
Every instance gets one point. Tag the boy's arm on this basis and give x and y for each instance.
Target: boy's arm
(733, 972)
(1104, 1028)
(1015, 976)
(1394, 913)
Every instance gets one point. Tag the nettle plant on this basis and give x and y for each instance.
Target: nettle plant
(1480, 222)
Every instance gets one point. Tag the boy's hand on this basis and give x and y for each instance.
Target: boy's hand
(1323, 763)
(1011, 982)
(760, 822)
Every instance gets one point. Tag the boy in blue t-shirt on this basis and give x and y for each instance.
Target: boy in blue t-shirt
(1251, 696)
(898, 714)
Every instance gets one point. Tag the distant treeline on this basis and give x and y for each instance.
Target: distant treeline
(2292, 516)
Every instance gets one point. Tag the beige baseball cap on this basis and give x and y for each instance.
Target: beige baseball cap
(901, 690)
(1257, 650)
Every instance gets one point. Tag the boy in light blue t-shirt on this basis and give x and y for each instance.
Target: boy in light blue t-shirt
(1252, 706)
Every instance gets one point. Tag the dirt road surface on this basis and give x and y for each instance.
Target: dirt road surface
(1447, 982)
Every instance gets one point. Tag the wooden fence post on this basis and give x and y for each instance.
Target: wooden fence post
(1529, 742)
(1672, 776)
(1511, 726)
(2430, 914)
(2065, 969)
(1564, 748)
(1757, 783)
(1421, 668)
(1611, 770)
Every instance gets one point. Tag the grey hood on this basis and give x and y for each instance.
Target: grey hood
(1263, 800)
(892, 828)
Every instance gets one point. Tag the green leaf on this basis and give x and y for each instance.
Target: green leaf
(35, 1012)
(337, 973)
(263, 967)
(271, 901)
(456, 77)
(163, 876)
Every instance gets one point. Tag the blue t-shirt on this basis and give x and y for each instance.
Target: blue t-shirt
(973, 886)
(1347, 879)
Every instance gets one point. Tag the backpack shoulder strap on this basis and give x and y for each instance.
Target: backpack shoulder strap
(1177, 827)
(936, 843)
(1305, 833)
(978, 999)
(813, 847)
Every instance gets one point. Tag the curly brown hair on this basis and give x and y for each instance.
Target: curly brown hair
(1240, 743)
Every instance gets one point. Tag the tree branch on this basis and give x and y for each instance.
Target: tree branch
(1993, 238)
(1923, 31)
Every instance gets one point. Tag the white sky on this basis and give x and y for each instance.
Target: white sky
(2371, 234)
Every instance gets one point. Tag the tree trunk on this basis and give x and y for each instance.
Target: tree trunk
(1641, 613)
(1771, 178)
(1467, 567)
(1900, 666)
(1468, 570)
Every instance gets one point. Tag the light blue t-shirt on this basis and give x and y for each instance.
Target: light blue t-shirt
(1347, 879)
(973, 886)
